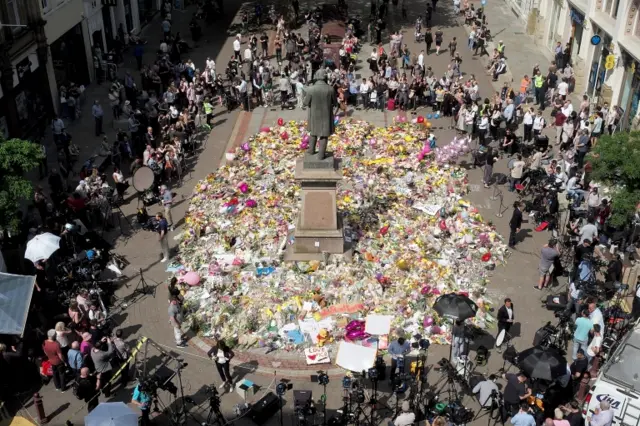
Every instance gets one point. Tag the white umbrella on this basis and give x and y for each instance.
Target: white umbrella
(111, 414)
(41, 247)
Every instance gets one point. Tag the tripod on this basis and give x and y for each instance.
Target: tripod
(496, 402)
(215, 417)
(374, 402)
(142, 288)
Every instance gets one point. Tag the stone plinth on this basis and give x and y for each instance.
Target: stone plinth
(318, 229)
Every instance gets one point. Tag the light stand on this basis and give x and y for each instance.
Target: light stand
(496, 402)
(281, 389)
(142, 288)
(323, 379)
(373, 400)
(215, 417)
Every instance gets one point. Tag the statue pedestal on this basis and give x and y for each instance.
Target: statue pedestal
(318, 229)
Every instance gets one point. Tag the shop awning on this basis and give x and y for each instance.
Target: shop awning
(15, 298)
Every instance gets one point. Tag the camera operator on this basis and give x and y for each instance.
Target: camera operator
(102, 355)
(506, 315)
(397, 348)
(142, 399)
(589, 231)
(583, 250)
(459, 342)
(488, 391)
(405, 418)
(516, 391)
(524, 416)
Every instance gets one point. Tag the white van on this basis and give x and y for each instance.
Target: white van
(619, 382)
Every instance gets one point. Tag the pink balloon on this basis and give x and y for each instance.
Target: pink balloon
(305, 138)
(428, 321)
(191, 278)
(435, 330)
(265, 130)
(427, 149)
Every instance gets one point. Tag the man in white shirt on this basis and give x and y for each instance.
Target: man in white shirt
(421, 59)
(595, 315)
(563, 88)
(211, 65)
(57, 125)
(248, 57)
(164, 48)
(241, 87)
(567, 108)
(595, 343)
(236, 46)
(516, 172)
(589, 231)
(364, 93)
(406, 417)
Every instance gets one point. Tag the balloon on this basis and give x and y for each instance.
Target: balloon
(435, 330)
(403, 119)
(427, 149)
(335, 122)
(246, 147)
(420, 119)
(372, 142)
(397, 118)
(243, 187)
(421, 156)
(251, 203)
(336, 118)
(265, 129)
(428, 321)
(191, 278)
(486, 257)
(280, 121)
(429, 116)
(284, 135)
(425, 290)
(305, 138)
(414, 121)
(428, 124)
(436, 115)
(304, 145)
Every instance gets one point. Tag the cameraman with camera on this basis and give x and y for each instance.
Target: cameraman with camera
(142, 399)
(488, 392)
(397, 349)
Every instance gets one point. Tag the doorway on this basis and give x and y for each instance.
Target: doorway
(96, 40)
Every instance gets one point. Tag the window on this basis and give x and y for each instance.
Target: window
(636, 25)
(13, 17)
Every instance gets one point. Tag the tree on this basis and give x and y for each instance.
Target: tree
(17, 158)
(616, 163)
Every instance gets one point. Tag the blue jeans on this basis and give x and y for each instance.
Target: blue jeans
(579, 344)
(381, 102)
(512, 183)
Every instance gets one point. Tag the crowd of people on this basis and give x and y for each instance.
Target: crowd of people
(176, 99)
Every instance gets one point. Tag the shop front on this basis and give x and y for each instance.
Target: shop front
(70, 59)
(24, 108)
(630, 91)
(146, 10)
(576, 19)
(597, 71)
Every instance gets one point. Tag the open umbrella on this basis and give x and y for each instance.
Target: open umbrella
(42, 247)
(455, 306)
(111, 414)
(542, 363)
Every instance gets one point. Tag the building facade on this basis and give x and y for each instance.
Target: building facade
(25, 98)
(604, 40)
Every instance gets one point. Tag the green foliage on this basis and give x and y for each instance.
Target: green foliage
(17, 157)
(616, 162)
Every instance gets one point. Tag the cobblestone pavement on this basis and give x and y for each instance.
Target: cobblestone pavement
(147, 316)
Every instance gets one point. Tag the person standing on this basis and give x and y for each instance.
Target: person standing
(439, 39)
(516, 392)
(548, 256)
(506, 317)
(167, 202)
(53, 351)
(453, 45)
(75, 359)
(602, 416)
(428, 39)
(397, 349)
(515, 223)
(489, 162)
(87, 389)
(175, 319)
(595, 344)
(583, 327)
(517, 170)
(98, 113)
(163, 229)
(102, 355)
(142, 400)
(222, 355)
(236, 47)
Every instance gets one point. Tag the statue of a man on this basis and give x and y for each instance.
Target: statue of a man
(321, 100)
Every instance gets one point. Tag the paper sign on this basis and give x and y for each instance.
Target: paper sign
(354, 357)
(429, 209)
(317, 356)
(378, 325)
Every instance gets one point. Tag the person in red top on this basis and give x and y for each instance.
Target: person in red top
(603, 213)
(75, 202)
(53, 352)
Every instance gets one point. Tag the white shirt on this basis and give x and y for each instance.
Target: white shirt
(236, 45)
(421, 60)
(364, 88)
(528, 118)
(603, 418)
(405, 419)
(596, 342)
(163, 47)
(211, 64)
(510, 313)
(484, 123)
(220, 357)
(247, 54)
(242, 87)
(596, 318)
(567, 110)
(538, 123)
(589, 232)
(563, 87)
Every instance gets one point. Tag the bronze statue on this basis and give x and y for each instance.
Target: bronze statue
(321, 100)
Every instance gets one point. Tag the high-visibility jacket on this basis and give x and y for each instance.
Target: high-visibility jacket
(500, 48)
(524, 85)
(208, 108)
(538, 80)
